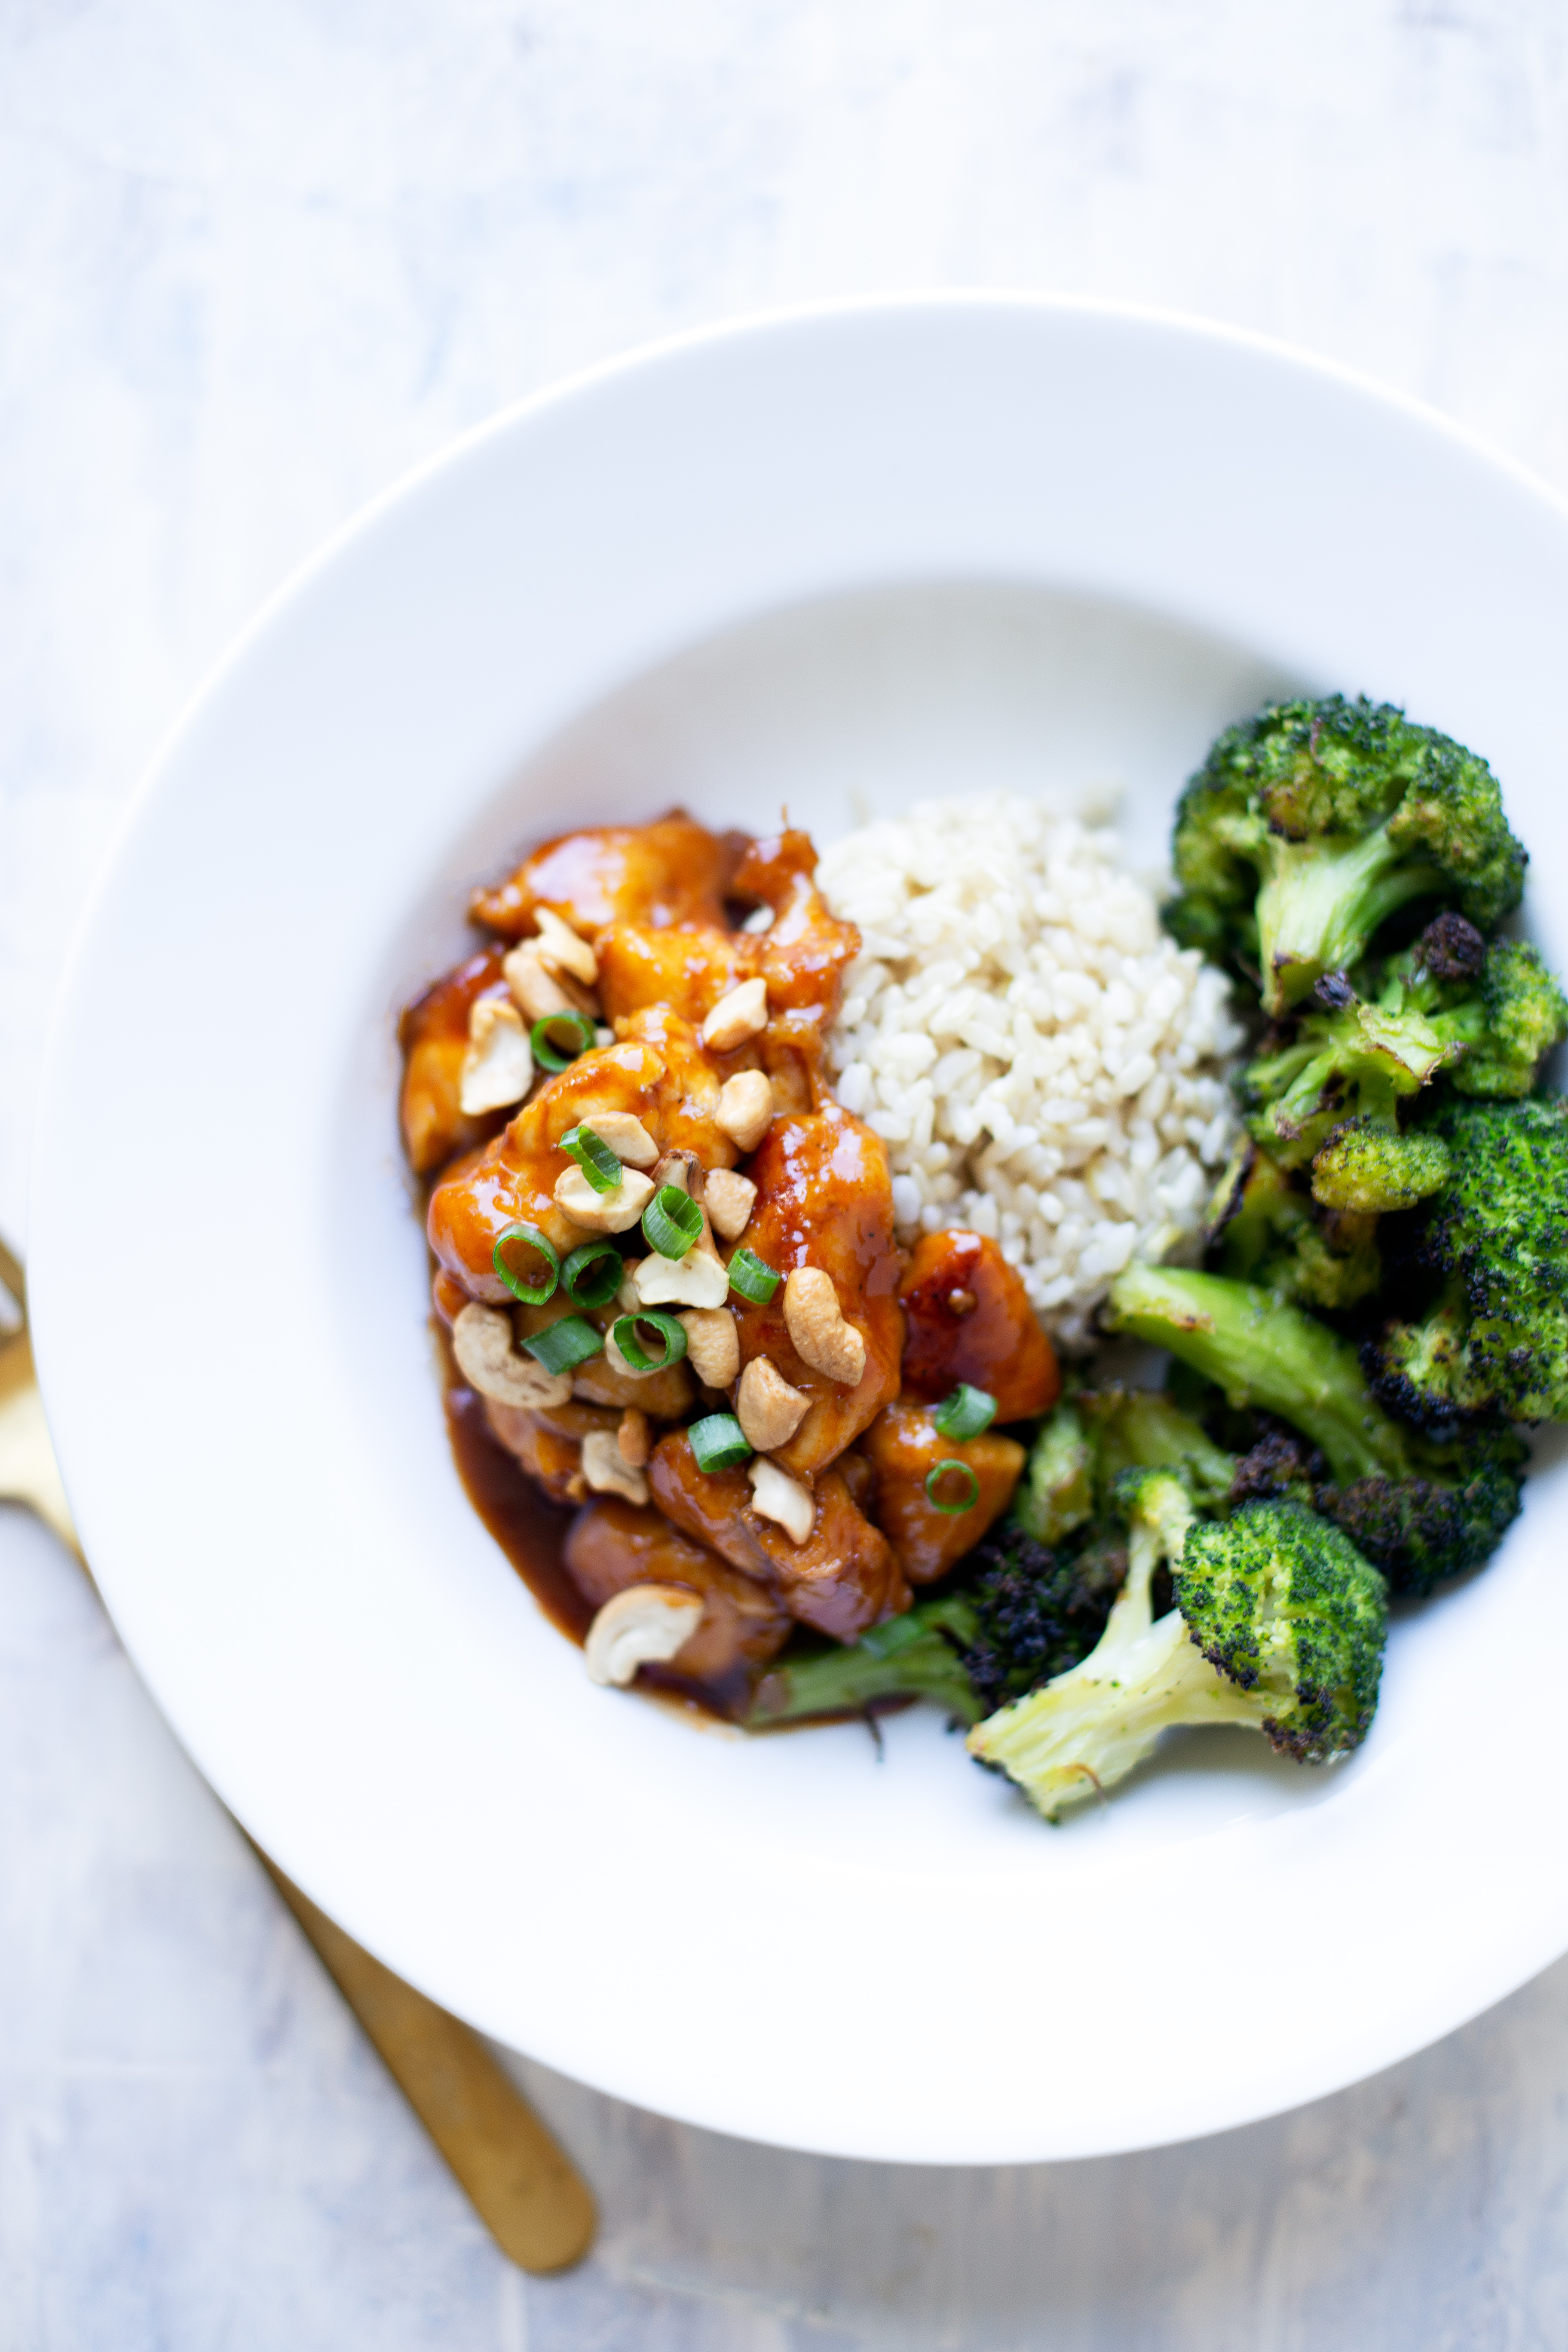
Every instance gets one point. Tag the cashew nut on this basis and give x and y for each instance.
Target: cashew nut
(497, 1068)
(742, 1014)
(783, 1500)
(615, 1212)
(559, 948)
(745, 1109)
(607, 1470)
(627, 1136)
(539, 995)
(768, 1410)
(627, 1298)
(816, 1324)
(729, 1199)
(481, 1343)
(632, 1437)
(713, 1345)
(618, 1363)
(682, 1169)
(646, 1623)
(701, 1278)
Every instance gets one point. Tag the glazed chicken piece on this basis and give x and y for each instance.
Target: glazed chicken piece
(612, 1545)
(672, 872)
(433, 1035)
(970, 1319)
(825, 1200)
(841, 1580)
(904, 1446)
(513, 1179)
(548, 1441)
(801, 957)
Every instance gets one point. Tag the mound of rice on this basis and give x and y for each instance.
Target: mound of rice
(1039, 1058)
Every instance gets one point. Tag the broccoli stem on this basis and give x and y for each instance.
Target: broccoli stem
(908, 1657)
(1321, 901)
(1265, 1354)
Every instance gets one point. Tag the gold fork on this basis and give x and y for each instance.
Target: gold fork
(520, 2181)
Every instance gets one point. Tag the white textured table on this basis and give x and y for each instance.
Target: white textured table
(254, 262)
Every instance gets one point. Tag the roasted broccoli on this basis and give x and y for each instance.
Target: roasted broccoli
(1333, 1094)
(1094, 1436)
(1421, 1510)
(1495, 1240)
(1279, 1626)
(1021, 1612)
(1309, 825)
(1263, 1226)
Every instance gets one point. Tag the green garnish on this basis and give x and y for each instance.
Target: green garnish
(546, 1053)
(719, 1442)
(594, 1157)
(671, 1221)
(751, 1278)
(625, 1335)
(514, 1283)
(561, 1345)
(585, 1289)
(965, 1412)
(934, 1477)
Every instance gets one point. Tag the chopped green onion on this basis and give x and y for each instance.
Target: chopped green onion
(546, 1053)
(718, 1443)
(514, 1283)
(561, 1345)
(751, 1278)
(586, 1287)
(625, 1335)
(671, 1221)
(594, 1157)
(965, 1412)
(941, 1471)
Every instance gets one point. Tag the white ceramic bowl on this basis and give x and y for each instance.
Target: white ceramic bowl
(836, 559)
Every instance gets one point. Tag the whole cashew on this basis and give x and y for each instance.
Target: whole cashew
(481, 1343)
(768, 1410)
(497, 1068)
(816, 1326)
(647, 1622)
(745, 1109)
(742, 1014)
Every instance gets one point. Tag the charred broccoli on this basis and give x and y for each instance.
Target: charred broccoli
(1482, 1017)
(1421, 1511)
(1263, 1226)
(1309, 825)
(1496, 1239)
(1279, 1626)
(1094, 1436)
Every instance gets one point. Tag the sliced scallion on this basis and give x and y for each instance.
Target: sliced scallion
(561, 1345)
(625, 1335)
(539, 1292)
(593, 1274)
(719, 1442)
(943, 1472)
(751, 1278)
(594, 1157)
(543, 1037)
(965, 1412)
(671, 1221)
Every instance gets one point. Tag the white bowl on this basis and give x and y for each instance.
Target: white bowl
(835, 559)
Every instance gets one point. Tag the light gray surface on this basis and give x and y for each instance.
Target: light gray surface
(253, 264)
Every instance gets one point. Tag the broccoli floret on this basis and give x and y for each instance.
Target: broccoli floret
(1496, 1239)
(1263, 1226)
(1309, 825)
(1266, 1354)
(1422, 1511)
(1496, 1011)
(1099, 1432)
(1420, 1530)
(1021, 1612)
(1279, 1626)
